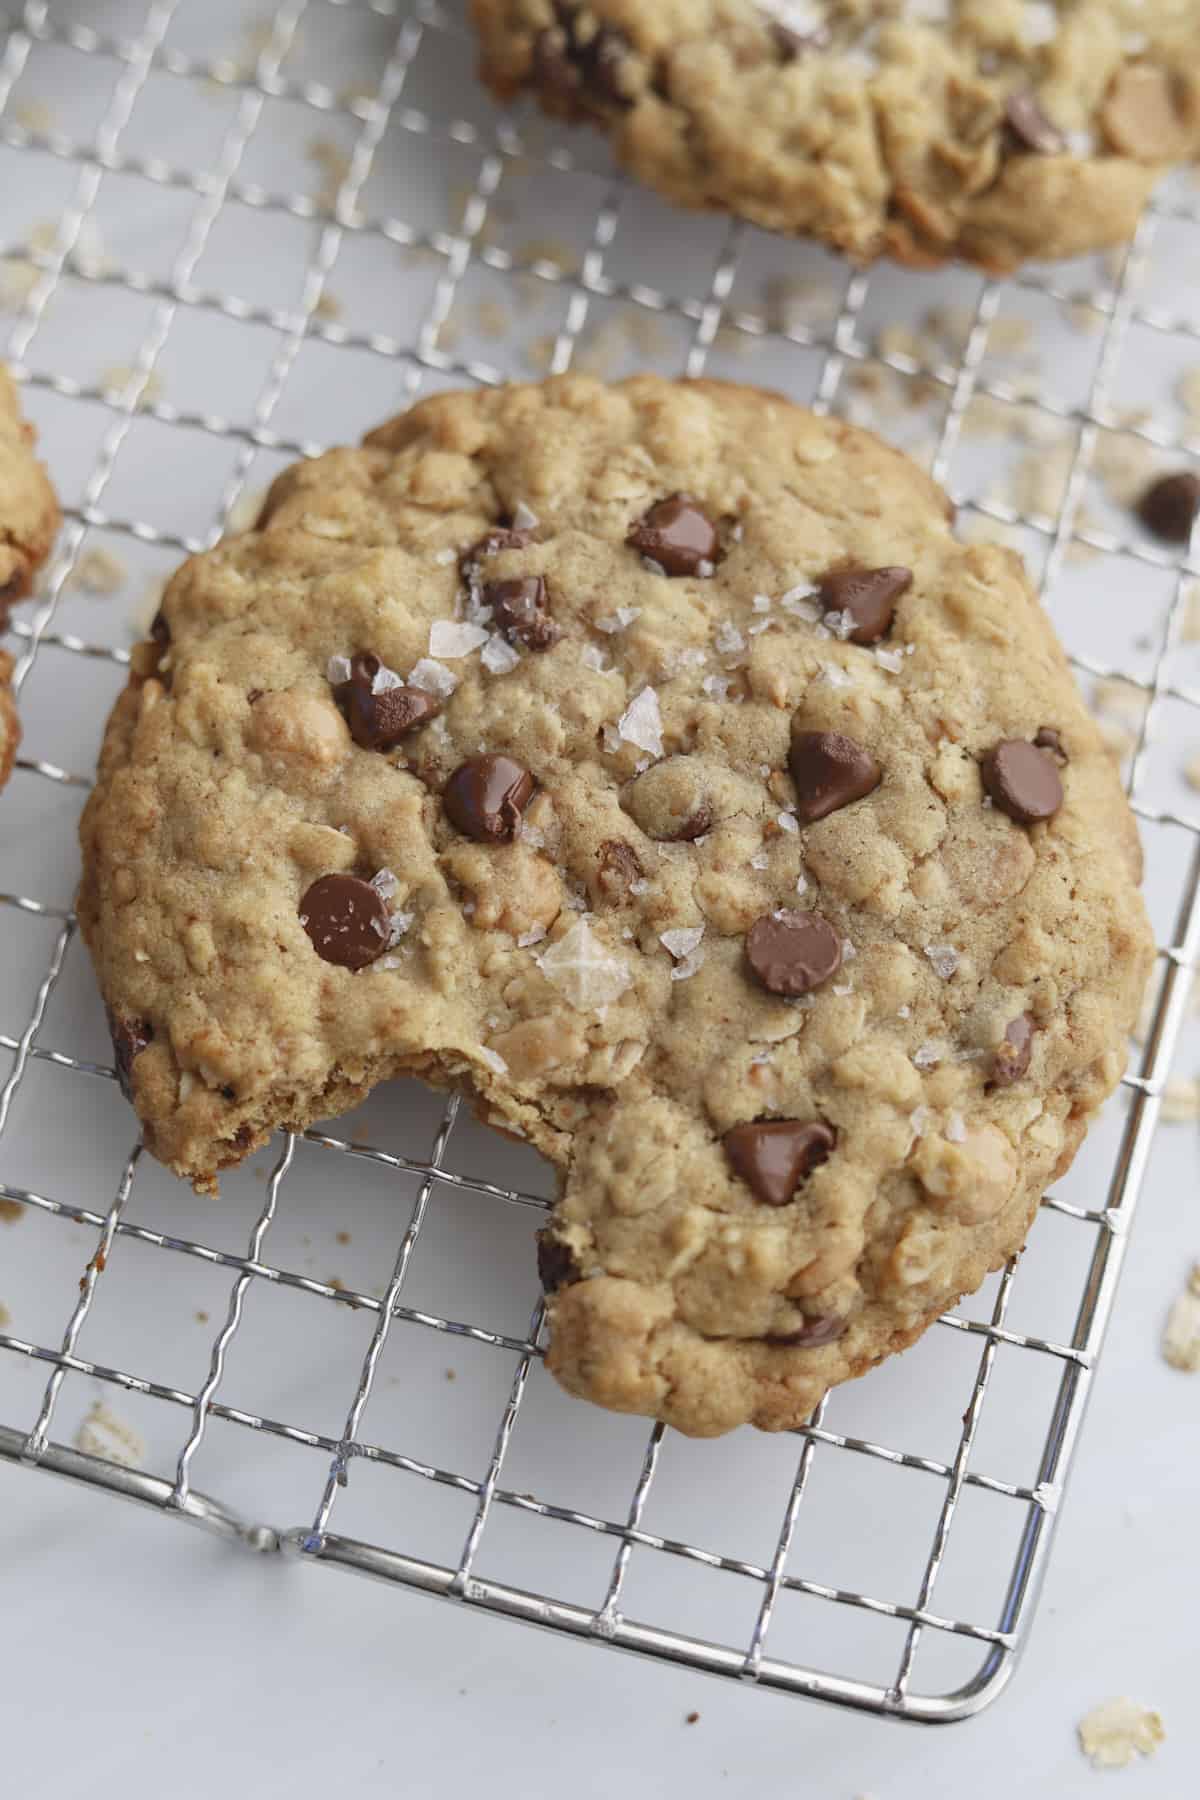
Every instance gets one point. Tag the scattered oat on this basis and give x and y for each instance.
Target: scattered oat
(1181, 1339)
(1117, 1730)
(122, 377)
(1181, 1100)
(98, 571)
(105, 1435)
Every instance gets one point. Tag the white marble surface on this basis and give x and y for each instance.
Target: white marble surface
(137, 1657)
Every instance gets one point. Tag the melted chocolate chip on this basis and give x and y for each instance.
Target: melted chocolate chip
(825, 1328)
(500, 537)
(578, 61)
(793, 953)
(617, 868)
(677, 536)
(1013, 1057)
(1169, 506)
(129, 1039)
(869, 596)
(773, 1156)
(347, 920)
(1022, 781)
(378, 721)
(1028, 126)
(486, 796)
(160, 631)
(521, 610)
(830, 771)
(556, 1263)
(692, 827)
(1047, 738)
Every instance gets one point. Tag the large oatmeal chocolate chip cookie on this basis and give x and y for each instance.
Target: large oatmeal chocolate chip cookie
(994, 130)
(28, 522)
(652, 762)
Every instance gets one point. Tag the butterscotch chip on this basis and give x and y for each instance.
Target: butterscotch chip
(706, 900)
(992, 133)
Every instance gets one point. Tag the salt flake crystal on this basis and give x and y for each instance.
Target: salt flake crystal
(837, 678)
(583, 970)
(956, 1130)
(433, 678)
(802, 888)
(497, 656)
(840, 623)
(385, 883)
(729, 639)
(533, 936)
(593, 657)
(681, 942)
(944, 958)
(891, 660)
(716, 686)
(761, 603)
(445, 557)
(919, 1120)
(524, 518)
(1041, 22)
(447, 637)
(926, 1056)
(759, 860)
(400, 923)
(786, 822)
(337, 670)
(617, 621)
(641, 723)
(384, 679)
(683, 971)
(801, 603)
(493, 1059)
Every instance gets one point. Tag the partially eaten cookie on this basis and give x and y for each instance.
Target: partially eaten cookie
(653, 764)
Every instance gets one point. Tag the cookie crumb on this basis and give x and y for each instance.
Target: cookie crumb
(98, 571)
(343, 1237)
(692, 1718)
(451, 1374)
(11, 1211)
(201, 1316)
(1181, 1338)
(105, 1435)
(1117, 1730)
(5, 1317)
(1181, 1100)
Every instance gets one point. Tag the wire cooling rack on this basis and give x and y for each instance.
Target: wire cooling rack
(229, 239)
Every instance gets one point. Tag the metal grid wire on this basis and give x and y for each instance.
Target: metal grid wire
(141, 47)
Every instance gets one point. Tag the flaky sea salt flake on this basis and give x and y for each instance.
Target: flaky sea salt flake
(498, 656)
(444, 557)
(682, 941)
(716, 686)
(729, 639)
(524, 518)
(944, 958)
(618, 620)
(398, 925)
(533, 936)
(337, 670)
(433, 677)
(837, 677)
(786, 821)
(956, 1130)
(641, 723)
(385, 883)
(593, 657)
(891, 660)
(493, 1060)
(927, 1056)
(587, 974)
(448, 637)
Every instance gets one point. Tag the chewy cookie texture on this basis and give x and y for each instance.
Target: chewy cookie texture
(652, 763)
(28, 522)
(991, 130)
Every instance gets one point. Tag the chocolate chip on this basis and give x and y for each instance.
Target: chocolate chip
(830, 771)
(554, 73)
(1169, 506)
(578, 55)
(486, 796)
(500, 537)
(1013, 1056)
(677, 536)
(129, 1039)
(825, 1328)
(1047, 738)
(347, 920)
(617, 868)
(1022, 781)
(521, 610)
(692, 827)
(378, 721)
(160, 631)
(869, 596)
(556, 1263)
(792, 953)
(1028, 126)
(773, 1156)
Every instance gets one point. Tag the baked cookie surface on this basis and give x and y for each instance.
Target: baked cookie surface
(991, 130)
(28, 522)
(653, 763)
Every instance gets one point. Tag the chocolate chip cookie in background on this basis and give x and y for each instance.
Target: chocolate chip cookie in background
(652, 763)
(28, 522)
(991, 130)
